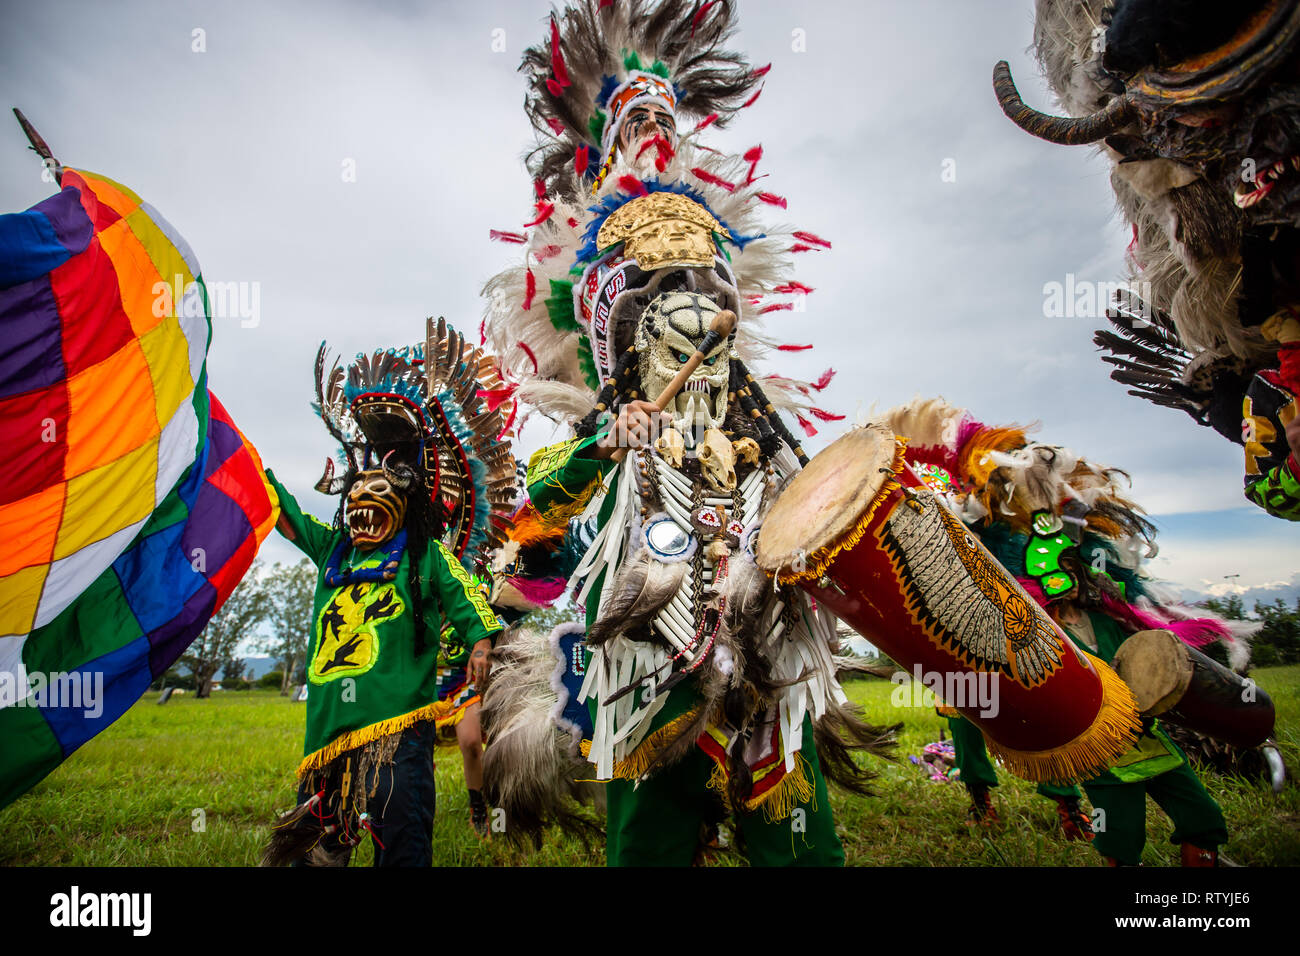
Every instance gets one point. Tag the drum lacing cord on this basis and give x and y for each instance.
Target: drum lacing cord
(910, 496)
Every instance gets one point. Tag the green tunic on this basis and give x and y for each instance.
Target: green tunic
(367, 679)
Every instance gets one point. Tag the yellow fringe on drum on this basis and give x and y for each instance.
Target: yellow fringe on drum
(821, 559)
(358, 738)
(635, 764)
(1112, 733)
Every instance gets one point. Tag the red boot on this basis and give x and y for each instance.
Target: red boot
(1195, 856)
(981, 812)
(1074, 822)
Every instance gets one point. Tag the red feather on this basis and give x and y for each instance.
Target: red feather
(754, 154)
(750, 101)
(530, 290)
(531, 356)
(791, 287)
(482, 331)
(502, 236)
(547, 252)
(699, 16)
(708, 177)
(544, 210)
(581, 160)
(556, 126)
(773, 198)
(809, 237)
(792, 348)
(761, 71)
(826, 416)
(800, 247)
(707, 121)
(807, 426)
(557, 57)
(539, 188)
(573, 223)
(824, 380)
(777, 307)
(630, 184)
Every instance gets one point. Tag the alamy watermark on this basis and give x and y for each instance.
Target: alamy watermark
(1081, 299)
(969, 690)
(79, 690)
(225, 300)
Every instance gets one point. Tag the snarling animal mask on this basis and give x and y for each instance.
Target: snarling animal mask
(671, 328)
(376, 505)
(1198, 104)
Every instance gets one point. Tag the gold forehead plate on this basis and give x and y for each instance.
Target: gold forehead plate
(662, 230)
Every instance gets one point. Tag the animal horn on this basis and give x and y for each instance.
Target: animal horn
(1065, 131)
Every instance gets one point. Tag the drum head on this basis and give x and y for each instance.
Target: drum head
(1155, 664)
(826, 499)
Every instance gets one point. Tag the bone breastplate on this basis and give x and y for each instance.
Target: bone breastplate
(687, 521)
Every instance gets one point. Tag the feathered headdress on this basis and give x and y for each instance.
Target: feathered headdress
(563, 317)
(1062, 524)
(602, 58)
(432, 404)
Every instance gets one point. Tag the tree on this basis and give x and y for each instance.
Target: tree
(291, 592)
(233, 669)
(243, 611)
(1278, 641)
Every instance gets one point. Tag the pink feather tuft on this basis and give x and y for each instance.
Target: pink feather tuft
(542, 591)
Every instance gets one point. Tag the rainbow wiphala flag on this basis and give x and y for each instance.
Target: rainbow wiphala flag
(130, 504)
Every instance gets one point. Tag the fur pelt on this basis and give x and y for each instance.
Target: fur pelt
(640, 591)
(532, 769)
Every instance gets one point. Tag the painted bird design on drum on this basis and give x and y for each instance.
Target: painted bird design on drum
(963, 599)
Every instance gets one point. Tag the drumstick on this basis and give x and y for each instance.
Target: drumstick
(722, 325)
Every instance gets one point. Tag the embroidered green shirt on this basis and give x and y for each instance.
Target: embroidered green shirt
(366, 678)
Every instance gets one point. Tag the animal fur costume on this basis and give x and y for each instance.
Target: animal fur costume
(1197, 106)
(426, 485)
(709, 689)
(1066, 528)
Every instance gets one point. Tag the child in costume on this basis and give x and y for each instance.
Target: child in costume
(425, 473)
(1062, 525)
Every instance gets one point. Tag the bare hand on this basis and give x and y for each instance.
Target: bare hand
(480, 664)
(638, 424)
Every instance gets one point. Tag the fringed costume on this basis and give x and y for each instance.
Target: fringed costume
(427, 483)
(1076, 543)
(710, 691)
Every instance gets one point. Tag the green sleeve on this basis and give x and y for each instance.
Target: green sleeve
(560, 475)
(1276, 491)
(313, 537)
(463, 604)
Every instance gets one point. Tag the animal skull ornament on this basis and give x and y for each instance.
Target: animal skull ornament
(671, 447)
(717, 460)
(376, 508)
(671, 329)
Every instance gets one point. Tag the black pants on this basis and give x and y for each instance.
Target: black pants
(402, 808)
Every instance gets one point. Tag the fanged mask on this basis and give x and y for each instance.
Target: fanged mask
(671, 328)
(376, 507)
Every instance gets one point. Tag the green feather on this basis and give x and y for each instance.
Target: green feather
(660, 69)
(588, 364)
(559, 306)
(631, 61)
(596, 125)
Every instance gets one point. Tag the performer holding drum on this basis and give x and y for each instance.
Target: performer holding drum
(1066, 528)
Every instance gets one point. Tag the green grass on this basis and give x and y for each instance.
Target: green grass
(128, 798)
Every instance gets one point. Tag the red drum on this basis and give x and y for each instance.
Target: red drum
(1181, 685)
(864, 536)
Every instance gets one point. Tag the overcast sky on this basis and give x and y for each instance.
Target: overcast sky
(935, 284)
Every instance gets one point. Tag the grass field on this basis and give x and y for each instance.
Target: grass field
(197, 782)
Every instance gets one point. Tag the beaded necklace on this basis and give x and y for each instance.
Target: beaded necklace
(386, 570)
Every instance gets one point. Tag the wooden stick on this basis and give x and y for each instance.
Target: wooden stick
(723, 324)
(38, 145)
